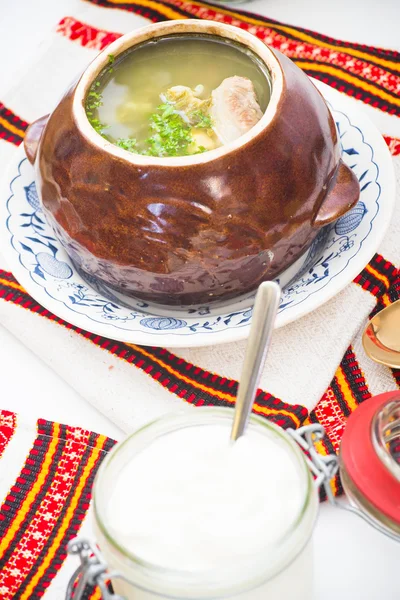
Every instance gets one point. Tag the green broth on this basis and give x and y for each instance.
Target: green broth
(124, 101)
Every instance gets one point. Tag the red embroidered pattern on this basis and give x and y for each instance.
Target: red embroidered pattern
(393, 143)
(85, 35)
(98, 39)
(46, 506)
(8, 424)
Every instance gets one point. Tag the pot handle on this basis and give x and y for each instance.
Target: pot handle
(343, 193)
(32, 137)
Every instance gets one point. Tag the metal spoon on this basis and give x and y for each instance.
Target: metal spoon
(262, 323)
(381, 338)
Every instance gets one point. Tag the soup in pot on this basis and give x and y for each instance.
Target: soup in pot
(179, 95)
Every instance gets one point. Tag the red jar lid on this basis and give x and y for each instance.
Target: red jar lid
(362, 463)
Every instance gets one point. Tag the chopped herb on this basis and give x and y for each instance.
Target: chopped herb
(111, 60)
(128, 144)
(95, 99)
(200, 119)
(97, 125)
(93, 102)
(171, 134)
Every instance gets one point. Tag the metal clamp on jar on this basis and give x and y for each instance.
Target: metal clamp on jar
(369, 469)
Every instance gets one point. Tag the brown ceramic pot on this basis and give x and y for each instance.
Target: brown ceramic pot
(189, 230)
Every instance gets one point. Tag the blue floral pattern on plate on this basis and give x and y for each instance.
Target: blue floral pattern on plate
(43, 266)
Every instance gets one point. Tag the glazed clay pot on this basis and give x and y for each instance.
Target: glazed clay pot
(193, 229)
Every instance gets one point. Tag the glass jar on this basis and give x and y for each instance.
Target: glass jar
(281, 572)
(370, 462)
(370, 472)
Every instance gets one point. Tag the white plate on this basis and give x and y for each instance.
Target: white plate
(339, 253)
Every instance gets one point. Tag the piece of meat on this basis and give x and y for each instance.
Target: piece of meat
(234, 109)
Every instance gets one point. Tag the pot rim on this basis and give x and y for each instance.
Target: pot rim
(143, 34)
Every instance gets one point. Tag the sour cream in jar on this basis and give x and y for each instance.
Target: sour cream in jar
(181, 512)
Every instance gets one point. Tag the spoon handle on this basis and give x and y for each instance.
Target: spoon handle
(262, 323)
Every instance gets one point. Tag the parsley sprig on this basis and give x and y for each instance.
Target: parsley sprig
(201, 119)
(171, 133)
(93, 101)
(127, 144)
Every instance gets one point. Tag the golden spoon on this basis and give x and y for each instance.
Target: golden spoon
(381, 338)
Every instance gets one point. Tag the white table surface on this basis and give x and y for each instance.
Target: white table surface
(352, 561)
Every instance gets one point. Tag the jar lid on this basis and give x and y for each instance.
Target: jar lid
(366, 454)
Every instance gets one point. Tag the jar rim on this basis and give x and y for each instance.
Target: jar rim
(188, 418)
